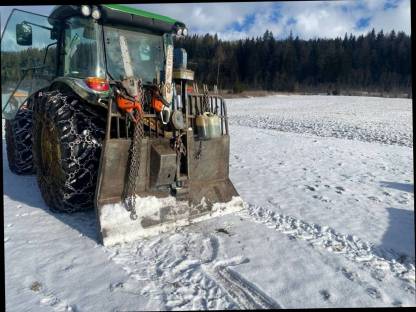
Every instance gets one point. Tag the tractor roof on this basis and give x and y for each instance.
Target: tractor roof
(121, 14)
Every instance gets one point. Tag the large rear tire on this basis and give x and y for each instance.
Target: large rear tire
(67, 139)
(19, 141)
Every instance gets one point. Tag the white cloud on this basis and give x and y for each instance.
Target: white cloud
(319, 19)
(374, 4)
(397, 19)
(313, 18)
(208, 17)
(334, 19)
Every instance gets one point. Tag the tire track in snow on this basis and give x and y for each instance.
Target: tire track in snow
(377, 260)
(369, 289)
(325, 128)
(182, 272)
(246, 294)
(57, 305)
(48, 298)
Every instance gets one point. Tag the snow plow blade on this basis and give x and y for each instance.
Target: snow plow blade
(161, 206)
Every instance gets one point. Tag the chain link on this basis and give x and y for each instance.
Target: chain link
(179, 146)
(205, 102)
(129, 192)
(199, 151)
(71, 114)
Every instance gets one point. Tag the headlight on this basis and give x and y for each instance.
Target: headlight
(185, 32)
(96, 14)
(85, 10)
(179, 32)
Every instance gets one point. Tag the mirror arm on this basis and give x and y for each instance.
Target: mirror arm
(14, 91)
(46, 51)
(24, 71)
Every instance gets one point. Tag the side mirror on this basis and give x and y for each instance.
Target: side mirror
(24, 34)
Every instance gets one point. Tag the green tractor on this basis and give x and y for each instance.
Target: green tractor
(97, 104)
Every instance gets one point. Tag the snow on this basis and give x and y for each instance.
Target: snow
(370, 119)
(328, 222)
(115, 220)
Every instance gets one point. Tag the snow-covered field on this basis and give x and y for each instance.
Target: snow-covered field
(328, 183)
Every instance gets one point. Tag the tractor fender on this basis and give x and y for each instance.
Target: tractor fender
(79, 87)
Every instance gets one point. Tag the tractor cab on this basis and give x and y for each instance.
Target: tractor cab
(80, 42)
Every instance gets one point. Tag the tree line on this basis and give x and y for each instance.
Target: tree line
(13, 65)
(372, 62)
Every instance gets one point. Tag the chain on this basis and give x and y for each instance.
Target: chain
(180, 149)
(73, 114)
(179, 146)
(204, 108)
(205, 105)
(129, 192)
(199, 151)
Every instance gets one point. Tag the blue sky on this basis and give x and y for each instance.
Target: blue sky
(325, 19)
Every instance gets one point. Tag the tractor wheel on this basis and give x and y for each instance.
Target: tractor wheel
(19, 141)
(67, 138)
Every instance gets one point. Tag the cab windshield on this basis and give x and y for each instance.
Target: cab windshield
(146, 54)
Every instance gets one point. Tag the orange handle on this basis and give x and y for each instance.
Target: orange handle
(128, 105)
(157, 104)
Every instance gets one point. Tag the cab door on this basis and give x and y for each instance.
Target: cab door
(28, 58)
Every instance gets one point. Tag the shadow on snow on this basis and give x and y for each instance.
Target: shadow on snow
(400, 234)
(24, 189)
(405, 187)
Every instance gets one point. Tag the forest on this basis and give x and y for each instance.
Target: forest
(371, 62)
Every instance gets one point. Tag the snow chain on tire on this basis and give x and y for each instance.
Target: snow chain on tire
(79, 129)
(19, 141)
(129, 192)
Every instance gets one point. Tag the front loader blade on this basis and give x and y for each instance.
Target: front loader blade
(206, 193)
(155, 216)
